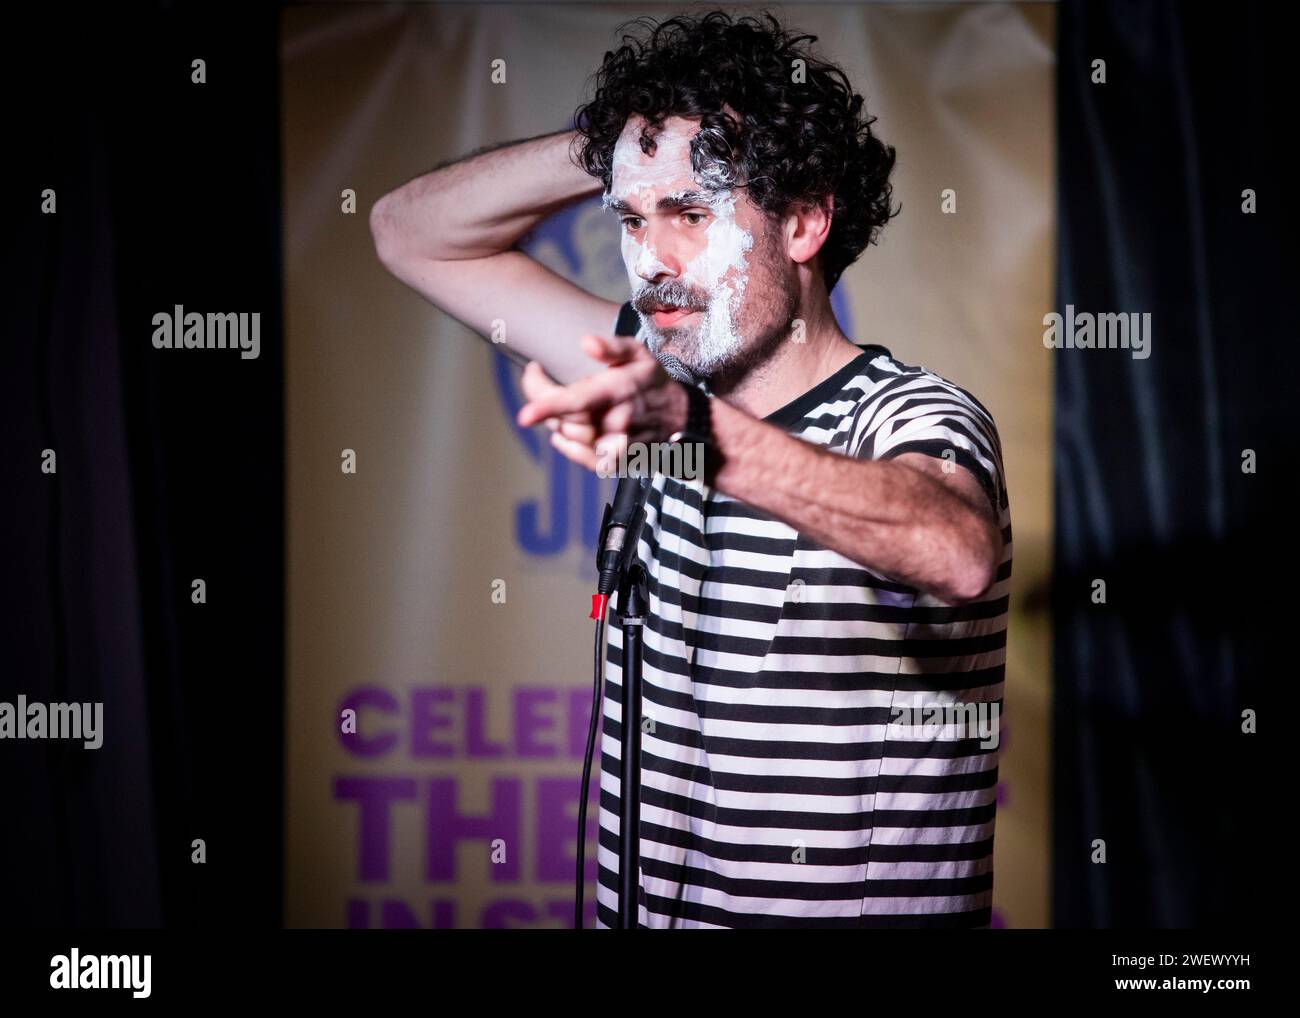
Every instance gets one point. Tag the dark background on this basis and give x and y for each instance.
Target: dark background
(170, 468)
(1148, 752)
(171, 465)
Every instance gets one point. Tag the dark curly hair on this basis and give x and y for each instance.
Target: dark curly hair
(799, 142)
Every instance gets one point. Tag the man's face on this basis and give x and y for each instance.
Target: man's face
(709, 274)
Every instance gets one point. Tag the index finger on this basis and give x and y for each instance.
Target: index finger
(584, 394)
(611, 349)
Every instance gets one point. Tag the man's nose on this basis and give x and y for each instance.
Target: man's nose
(657, 260)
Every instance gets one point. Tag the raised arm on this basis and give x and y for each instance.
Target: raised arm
(450, 235)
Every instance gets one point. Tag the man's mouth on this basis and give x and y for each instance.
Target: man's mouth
(666, 315)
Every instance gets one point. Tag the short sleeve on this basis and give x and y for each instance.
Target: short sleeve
(928, 414)
(628, 323)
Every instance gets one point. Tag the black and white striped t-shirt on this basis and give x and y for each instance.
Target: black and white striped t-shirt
(781, 784)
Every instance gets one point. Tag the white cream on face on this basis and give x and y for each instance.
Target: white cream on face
(720, 269)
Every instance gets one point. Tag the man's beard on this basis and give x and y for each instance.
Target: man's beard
(708, 346)
(697, 346)
(714, 347)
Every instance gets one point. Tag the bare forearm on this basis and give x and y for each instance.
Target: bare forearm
(483, 204)
(893, 519)
(897, 519)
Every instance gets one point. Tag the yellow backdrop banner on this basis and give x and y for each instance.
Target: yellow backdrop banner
(440, 560)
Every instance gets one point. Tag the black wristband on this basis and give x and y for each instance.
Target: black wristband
(699, 415)
(699, 432)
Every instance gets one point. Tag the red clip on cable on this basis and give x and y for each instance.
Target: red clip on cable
(599, 602)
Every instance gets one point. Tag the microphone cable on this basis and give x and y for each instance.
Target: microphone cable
(597, 713)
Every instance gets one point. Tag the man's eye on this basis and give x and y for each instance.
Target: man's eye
(693, 218)
(632, 222)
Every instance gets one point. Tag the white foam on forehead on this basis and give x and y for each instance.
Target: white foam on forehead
(669, 162)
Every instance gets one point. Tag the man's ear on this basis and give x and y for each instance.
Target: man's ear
(806, 230)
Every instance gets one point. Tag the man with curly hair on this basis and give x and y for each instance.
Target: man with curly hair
(828, 599)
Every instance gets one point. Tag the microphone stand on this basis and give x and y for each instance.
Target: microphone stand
(632, 607)
(619, 569)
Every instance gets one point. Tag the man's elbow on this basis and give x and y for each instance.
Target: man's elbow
(382, 230)
(979, 569)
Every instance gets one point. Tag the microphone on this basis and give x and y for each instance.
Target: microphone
(618, 536)
(676, 369)
(621, 527)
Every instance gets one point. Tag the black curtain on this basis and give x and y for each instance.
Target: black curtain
(169, 467)
(1151, 496)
